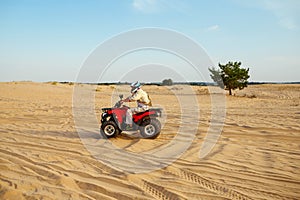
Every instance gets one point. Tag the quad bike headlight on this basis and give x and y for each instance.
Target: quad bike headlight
(103, 115)
(159, 114)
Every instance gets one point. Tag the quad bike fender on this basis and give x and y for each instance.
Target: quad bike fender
(110, 117)
(138, 118)
(145, 118)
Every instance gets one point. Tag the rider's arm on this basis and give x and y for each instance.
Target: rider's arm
(127, 99)
(130, 98)
(136, 96)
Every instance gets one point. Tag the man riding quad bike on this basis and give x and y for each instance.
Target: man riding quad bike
(122, 118)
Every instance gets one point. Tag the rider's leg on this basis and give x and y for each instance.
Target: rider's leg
(130, 111)
(129, 117)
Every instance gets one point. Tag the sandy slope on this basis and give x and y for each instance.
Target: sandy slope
(256, 157)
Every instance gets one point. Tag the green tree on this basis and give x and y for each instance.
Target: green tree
(230, 76)
(167, 82)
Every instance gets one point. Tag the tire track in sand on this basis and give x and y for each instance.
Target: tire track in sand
(212, 186)
(224, 191)
(156, 191)
(79, 183)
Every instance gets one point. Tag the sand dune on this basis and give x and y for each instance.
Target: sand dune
(257, 155)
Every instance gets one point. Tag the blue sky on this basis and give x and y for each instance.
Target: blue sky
(50, 39)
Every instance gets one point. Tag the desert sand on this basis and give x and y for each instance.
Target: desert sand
(256, 157)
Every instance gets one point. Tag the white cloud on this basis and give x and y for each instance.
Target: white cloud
(154, 6)
(286, 11)
(288, 23)
(213, 28)
(145, 5)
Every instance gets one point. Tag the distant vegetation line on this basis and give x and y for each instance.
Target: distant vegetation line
(179, 83)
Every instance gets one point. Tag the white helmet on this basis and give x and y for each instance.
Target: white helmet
(135, 86)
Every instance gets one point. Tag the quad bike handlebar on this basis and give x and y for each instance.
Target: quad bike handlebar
(120, 102)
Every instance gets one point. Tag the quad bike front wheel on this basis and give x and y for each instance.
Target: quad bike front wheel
(150, 128)
(109, 129)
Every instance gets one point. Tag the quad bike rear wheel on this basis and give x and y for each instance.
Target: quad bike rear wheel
(150, 128)
(109, 129)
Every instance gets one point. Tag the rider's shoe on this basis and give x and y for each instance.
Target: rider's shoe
(128, 127)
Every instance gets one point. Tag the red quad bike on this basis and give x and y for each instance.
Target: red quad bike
(113, 121)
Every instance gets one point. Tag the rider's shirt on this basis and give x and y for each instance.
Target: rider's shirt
(141, 97)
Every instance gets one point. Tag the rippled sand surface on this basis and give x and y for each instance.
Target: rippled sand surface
(256, 157)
